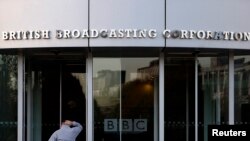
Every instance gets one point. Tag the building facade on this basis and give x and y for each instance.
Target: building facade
(126, 70)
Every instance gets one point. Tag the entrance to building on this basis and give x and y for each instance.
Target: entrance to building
(179, 98)
(55, 90)
(125, 95)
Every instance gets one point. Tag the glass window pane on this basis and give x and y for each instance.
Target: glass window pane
(106, 91)
(8, 97)
(242, 89)
(213, 88)
(125, 94)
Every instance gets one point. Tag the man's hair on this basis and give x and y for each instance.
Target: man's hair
(65, 120)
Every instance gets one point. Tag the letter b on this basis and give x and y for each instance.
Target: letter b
(127, 125)
(110, 125)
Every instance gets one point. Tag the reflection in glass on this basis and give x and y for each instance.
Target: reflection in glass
(213, 87)
(8, 97)
(73, 97)
(241, 89)
(124, 94)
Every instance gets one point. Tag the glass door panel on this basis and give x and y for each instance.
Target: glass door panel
(212, 92)
(179, 98)
(125, 95)
(242, 89)
(55, 91)
(8, 97)
(74, 95)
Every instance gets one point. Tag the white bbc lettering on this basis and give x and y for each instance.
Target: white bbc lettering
(110, 125)
(140, 125)
(127, 125)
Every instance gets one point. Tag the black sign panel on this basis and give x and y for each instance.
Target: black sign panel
(226, 132)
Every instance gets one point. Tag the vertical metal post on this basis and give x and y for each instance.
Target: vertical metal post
(231, 88)
(29, 105)
(196, 97)
(89, 106)
(156, 109)
(161, 98)
(20, 97)
(187, 105)
(60, 93)
(120, 120)
(218, 99)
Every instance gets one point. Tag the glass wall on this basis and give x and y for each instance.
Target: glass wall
(179, 87)
(125, 97)
(179, 98)
(8, 97)
(242, 89)
(212, 92)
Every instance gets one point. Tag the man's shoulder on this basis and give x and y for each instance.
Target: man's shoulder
(57, 131)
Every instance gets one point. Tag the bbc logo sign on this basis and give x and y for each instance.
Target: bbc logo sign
(127, 125)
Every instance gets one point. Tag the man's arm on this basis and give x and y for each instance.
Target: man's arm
(77, 127)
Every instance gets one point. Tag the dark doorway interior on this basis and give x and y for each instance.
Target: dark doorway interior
(179, 99)
(59, 88)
